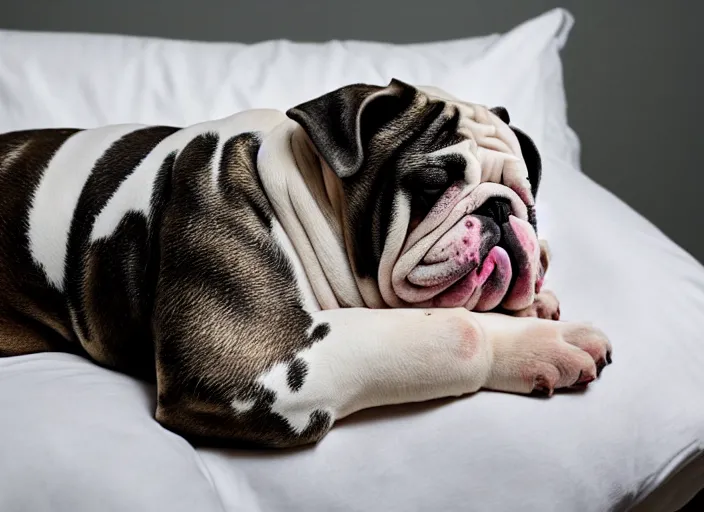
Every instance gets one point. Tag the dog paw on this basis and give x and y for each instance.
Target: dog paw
(592, 341)
(540, 356)
(545, 306)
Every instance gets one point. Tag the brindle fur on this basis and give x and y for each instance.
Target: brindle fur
(212, 235)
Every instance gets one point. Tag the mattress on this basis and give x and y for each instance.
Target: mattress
(77, 437)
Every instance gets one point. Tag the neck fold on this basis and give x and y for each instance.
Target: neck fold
(308, 208)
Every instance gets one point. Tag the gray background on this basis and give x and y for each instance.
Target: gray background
(640, 59)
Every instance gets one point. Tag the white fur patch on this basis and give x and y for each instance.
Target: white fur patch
(54, 201)
(468, 150)
(319, 383)
(241, 406)
(135, 192)
(378, 357)
(295, 409)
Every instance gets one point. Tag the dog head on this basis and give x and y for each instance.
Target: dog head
(436, 195)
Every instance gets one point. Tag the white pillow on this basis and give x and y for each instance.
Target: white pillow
(81, 80)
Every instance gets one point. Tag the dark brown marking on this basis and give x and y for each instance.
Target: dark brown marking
(110, 283)
(297, 371)
(33, 315)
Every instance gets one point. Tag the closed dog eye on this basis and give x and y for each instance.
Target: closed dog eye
(430, 192)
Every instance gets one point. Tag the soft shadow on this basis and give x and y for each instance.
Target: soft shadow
(398, 411)
(238, 449)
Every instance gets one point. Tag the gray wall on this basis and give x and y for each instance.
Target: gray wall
(641, 59)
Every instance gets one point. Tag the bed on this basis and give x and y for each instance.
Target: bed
(76, 437)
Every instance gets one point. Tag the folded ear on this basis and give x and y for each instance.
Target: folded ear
(502, 113)
(341, 122)
(531, 157)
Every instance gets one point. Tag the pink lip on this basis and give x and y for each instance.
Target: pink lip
(495, 287)
(443, 273)
(455, 255)
(524, 245)
(495, 270)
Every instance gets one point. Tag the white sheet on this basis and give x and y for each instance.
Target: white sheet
(76, 437)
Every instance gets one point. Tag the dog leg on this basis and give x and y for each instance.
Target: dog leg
(360, 358)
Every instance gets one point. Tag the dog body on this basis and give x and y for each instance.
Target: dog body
(276, 272)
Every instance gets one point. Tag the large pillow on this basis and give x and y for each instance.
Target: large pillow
(81, 80)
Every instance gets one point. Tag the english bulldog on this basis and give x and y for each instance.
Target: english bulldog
(274, 272)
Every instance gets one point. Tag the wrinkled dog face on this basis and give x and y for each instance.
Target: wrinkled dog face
(438, 195)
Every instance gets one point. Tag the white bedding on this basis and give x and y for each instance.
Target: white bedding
(75, 437)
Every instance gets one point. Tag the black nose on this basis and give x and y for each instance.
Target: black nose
(496, 208)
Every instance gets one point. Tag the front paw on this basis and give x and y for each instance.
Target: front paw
(545, 306)
(540, 356)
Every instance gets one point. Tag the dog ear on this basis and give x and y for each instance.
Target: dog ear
(502, 113)
(531, 157)
(340, 123)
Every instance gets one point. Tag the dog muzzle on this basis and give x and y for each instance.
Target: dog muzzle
(475, 249)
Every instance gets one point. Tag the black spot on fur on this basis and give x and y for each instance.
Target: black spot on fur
(297, 371)
(227, 306)
(161, 194)
(320, 332)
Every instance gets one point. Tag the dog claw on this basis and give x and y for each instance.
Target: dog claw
(582, 380)
(600, 366)
(542, 387)
(543, 391)
(608, 357)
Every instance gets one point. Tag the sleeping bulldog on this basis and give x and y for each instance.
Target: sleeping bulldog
(273, 272)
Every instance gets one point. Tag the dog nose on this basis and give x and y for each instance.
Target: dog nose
(497, 209)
